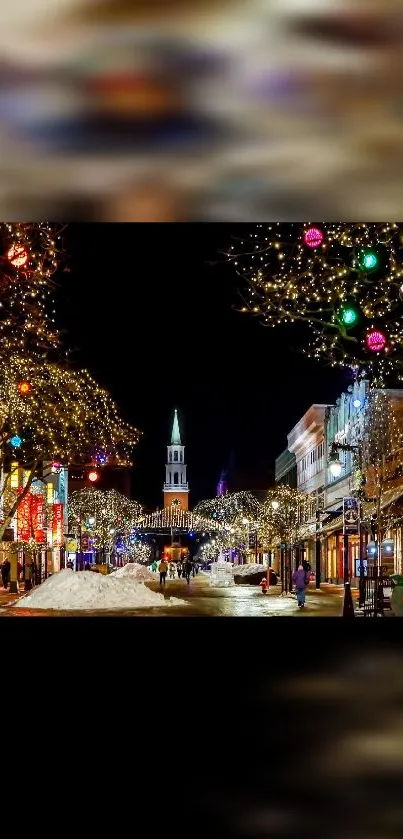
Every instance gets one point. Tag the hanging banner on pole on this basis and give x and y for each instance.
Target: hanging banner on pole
(351, 518)
(38, 518)
(24, 518)
(57, 525)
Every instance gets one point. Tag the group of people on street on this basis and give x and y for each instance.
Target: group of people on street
(185, 569)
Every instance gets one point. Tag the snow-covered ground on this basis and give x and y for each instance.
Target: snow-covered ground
(247, 570)
(85, 590)
(135, 571)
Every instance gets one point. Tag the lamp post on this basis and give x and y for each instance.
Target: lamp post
(336, 468)
(246, 524)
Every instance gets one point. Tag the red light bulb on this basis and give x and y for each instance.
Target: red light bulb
(313, 237)
(376, 340)
(17, 255)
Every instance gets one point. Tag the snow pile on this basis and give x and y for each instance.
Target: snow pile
(222, 574)
(247, 570)
(135, 572)
(85, 590)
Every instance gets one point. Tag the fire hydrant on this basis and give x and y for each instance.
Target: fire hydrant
(263, 585)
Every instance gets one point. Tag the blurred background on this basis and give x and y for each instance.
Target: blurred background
(164, 111)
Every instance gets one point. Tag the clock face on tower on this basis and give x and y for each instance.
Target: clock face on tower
(176, 502)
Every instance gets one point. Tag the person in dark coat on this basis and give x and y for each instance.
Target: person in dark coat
(300, 580)
(5, 572)
(188, 570)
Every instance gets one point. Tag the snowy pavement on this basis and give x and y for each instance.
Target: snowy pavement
(198, 599)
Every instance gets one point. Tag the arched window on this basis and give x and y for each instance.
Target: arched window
(175, 456)
(176, 477)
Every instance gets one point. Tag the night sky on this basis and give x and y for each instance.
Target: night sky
(148, 309)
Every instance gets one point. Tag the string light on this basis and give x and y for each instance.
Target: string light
(344, 288)
(174, 517)
(107, 516)
(60, 415)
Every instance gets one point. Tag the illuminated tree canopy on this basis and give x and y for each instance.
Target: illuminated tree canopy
(108, 516)
(343, 281)
(48, 411)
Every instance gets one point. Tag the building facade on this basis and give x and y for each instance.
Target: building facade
(344, 425)
(306, 441)
(285, 471)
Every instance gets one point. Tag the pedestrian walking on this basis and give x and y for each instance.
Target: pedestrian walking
(179, 569)
(5, 572)
(171, 570)
(188, 570)
(300, 579)
(163, 568)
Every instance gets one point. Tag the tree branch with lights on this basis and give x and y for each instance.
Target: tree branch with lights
(238, 513)
(48, 412)
(343, 281)
(107, 516)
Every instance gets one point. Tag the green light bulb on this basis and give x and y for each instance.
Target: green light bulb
(349, 316)
(369, 260)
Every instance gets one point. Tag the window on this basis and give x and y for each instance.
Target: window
(181, 457)
(170, 457)
(175, 456)
(176, 477)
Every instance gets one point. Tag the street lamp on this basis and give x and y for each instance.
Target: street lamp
(275, 505)
(336, 467)
(245, 522)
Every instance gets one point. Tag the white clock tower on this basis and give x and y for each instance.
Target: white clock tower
(176, 487)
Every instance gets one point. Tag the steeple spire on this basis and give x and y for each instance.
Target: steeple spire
(175, 437)
(176, 487)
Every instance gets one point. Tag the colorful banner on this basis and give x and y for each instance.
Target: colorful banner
(351, 519)
(24, 518)
(57, 525)
(38, 518)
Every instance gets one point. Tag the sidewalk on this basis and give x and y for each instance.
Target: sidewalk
(6, 598)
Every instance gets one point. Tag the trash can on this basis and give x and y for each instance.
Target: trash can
(396, 601)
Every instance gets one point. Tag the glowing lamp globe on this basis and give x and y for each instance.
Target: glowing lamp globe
(368, 260)
(349, 316)
(93, 476)
(17, 255)
(16, 441)
(24, 388)
(376, 340)
(357, 403)
(313, 237)
(56, 466)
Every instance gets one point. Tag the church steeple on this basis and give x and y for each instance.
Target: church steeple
(176, 487)
(175, 436)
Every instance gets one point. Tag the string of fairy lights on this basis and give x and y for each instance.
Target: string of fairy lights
(30, 254)
(344, 281)
(229, 507)
(106, 515)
